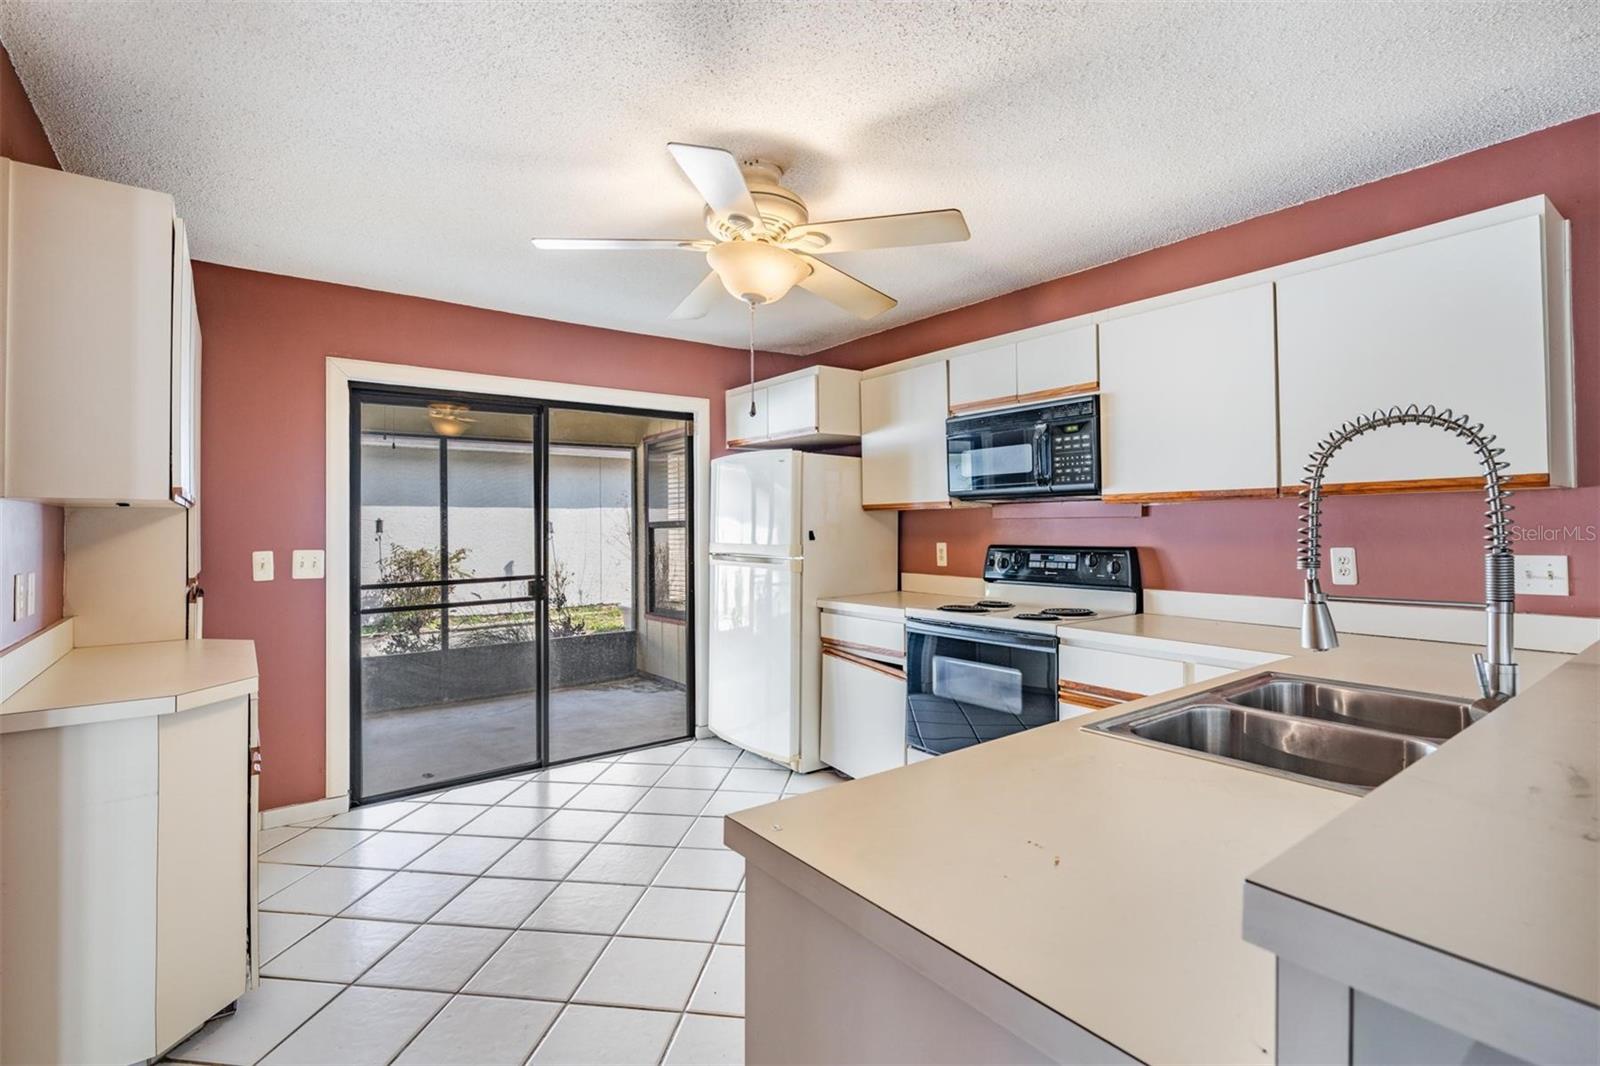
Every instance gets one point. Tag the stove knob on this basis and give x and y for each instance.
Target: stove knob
(1092, 561)
(1116, 566)
(1002, 561)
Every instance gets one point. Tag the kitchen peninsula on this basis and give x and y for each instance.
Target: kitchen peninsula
(1064, 895)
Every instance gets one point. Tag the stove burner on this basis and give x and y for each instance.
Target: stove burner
(1035, 616)
(1069, 612)
(998, 605)
(964, 608)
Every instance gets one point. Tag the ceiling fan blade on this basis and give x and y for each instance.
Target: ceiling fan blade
(880, 231)
(587, 244)
(715, 174)
(698, 302)
(835, 286)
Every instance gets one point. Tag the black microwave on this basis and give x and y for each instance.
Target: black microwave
(1044, 450)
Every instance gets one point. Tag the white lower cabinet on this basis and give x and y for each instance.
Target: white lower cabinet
(126, 901)
(863, 713)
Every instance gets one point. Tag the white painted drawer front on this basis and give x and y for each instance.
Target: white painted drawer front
(1205, 671)
(1119, 672)
(872, 637)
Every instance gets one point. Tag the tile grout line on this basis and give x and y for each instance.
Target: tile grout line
(509, 932)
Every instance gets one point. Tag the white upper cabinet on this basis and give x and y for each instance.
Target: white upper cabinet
(101, 343)
(1058, 364)
(1188, 403)
(1458, 322)
(986, 378)
(747, 415)
(902, 438)
(818, 406)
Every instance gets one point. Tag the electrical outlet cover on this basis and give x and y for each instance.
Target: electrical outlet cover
(1342, 565)
(941, 553)
(33, 593)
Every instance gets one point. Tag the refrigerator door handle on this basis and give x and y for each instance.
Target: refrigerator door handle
(756, 560)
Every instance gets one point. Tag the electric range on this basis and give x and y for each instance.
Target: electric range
(986, 668)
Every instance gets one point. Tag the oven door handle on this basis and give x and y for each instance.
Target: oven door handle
(1041, 453)
(983, 635)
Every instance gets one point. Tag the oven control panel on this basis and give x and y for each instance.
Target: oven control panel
(1096, 568)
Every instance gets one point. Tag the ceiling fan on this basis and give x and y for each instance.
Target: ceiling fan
(763, 242)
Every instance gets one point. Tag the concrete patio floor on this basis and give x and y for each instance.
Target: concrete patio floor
(431, 746)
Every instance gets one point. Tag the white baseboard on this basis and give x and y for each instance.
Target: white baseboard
(304, 812)
(1534, 632)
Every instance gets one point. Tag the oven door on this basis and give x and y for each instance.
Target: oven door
(966, 684)
(997, 458)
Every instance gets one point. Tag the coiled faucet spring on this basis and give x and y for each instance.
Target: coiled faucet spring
(1497, 673)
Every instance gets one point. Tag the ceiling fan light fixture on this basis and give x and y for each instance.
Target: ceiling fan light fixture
(755, 271)
(449, 419)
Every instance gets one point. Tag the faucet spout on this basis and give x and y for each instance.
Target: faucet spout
(1495, 665)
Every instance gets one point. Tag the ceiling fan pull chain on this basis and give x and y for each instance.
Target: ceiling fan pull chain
(752, 306)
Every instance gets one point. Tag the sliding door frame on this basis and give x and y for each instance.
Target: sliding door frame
(342, 374)
(539, 580)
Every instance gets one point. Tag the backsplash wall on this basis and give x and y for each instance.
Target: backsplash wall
(1424, 545)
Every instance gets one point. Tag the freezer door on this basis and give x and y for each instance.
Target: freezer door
(753, 687)
(755, 504)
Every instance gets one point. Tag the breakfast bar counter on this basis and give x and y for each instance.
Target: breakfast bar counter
(1055, 895)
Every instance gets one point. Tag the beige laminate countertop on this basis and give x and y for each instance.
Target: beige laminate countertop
(883, 604)
(1489, 849)
(131, 680)
(1101, 877)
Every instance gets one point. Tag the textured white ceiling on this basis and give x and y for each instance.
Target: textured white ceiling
(416, 148)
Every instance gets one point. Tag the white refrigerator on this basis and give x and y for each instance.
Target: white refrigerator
(787, 528)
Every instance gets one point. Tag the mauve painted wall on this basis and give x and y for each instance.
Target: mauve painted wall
(30, 535)
(1422, 545)
(265, 341)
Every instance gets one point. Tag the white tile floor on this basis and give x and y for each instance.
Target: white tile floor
(584, 914)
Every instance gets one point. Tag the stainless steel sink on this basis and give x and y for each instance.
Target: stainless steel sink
(1349, 737)
(1413, 714)
(1358, 759)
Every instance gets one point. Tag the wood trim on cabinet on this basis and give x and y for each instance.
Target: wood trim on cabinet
(907, 506)
(871, 664)
(1056, 393)
(864, 649)
(968, 406)
(1179, 497)
(1430, 484)
(743, 442)
(1087, 695)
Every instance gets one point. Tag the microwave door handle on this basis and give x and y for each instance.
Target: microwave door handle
(1041, 453)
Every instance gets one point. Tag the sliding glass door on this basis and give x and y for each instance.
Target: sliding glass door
(521, 586)
(447, 497)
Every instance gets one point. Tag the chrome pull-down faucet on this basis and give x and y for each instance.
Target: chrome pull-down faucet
(1497, 670)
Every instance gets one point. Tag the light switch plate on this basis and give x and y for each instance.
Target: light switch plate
(19, 597)
(1542, 575)
(261, 566)
(1342, 565)
(307, 564)
(941, 552)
